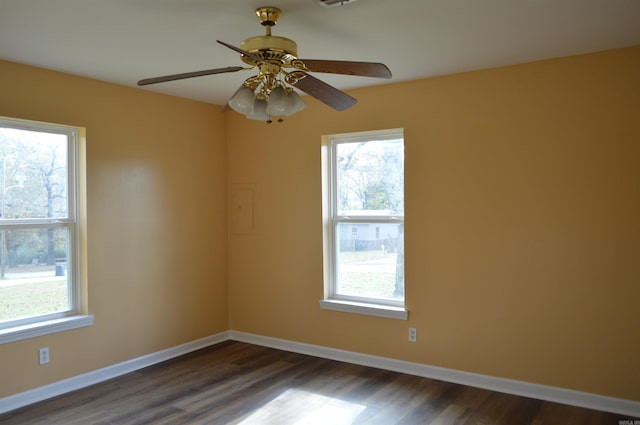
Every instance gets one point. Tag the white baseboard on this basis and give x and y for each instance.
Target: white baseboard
(81, 381)
(509, 386)
(525, 389)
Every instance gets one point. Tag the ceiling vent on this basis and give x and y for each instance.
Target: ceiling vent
(332, 3)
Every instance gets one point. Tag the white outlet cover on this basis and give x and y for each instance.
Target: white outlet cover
(43, 354)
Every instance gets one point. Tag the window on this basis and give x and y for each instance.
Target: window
(40, 262)
(364, 223)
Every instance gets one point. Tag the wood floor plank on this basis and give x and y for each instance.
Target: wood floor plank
(235, 383)
(453, 414)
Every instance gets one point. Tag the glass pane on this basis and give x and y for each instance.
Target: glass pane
(370, 177)
(371, 260)
(33, 174)
(33, 272)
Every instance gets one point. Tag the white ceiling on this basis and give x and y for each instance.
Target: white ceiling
(123, 41)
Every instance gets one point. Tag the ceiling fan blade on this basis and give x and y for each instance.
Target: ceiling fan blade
(174, 77)
(363, 69)
(242, 52)
(324, 92)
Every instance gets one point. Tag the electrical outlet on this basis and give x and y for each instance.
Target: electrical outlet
(413, 335)
(44, 355)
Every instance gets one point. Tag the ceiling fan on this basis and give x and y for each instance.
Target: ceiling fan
(270, 93)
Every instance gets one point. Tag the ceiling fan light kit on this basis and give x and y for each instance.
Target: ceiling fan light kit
(271, 93)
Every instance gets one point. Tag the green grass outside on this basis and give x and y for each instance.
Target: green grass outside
(34, 298)
(374, 285)
(368, 283)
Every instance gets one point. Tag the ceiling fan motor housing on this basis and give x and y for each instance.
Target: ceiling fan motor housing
(270, 47)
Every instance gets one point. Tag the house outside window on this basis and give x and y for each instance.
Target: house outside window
(40, 210)
(363, 213)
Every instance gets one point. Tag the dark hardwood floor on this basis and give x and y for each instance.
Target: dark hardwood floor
(244, 384)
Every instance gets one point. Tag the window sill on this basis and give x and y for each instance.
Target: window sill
(33, 330)
(386, 311)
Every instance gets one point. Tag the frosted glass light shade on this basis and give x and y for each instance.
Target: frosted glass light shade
(296, 103)
(279, 102)
(259, 111)
(242, 100)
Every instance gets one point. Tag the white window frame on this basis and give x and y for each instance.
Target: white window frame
(394, 309)
(76, 316)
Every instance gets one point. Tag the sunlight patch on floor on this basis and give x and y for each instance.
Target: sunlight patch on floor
(296, 407)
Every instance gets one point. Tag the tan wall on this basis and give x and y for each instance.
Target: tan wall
(522, 223)
(157, 222)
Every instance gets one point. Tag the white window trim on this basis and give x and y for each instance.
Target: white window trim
(77, 316)
(378, 310)
(32, 330)
(359, 305)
